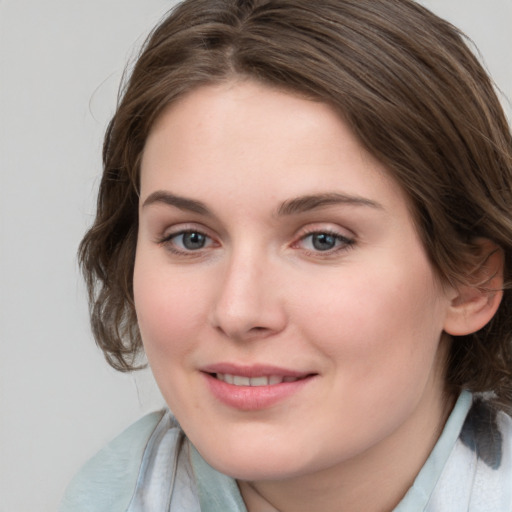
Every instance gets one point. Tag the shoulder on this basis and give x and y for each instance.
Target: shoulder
(107, 481)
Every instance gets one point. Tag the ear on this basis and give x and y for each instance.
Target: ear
(475, 303)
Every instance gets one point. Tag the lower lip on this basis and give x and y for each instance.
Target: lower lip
(253, 398)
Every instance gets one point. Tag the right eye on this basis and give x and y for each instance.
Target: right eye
(187, 241)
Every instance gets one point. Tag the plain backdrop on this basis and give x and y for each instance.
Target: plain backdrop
(60, 65)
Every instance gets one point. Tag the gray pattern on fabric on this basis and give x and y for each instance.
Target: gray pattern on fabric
(481, 434)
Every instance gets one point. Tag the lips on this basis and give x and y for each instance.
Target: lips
(251, 388)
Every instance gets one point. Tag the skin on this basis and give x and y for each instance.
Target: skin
(365, 317)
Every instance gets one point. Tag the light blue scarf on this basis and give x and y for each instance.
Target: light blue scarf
(152, 467)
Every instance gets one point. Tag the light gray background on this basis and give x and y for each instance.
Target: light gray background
(60, 64)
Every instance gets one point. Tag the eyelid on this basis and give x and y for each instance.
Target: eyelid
(184, 227)
(166, 239)
(347, 237)
(325, 227)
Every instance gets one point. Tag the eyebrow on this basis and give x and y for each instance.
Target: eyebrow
(293, 206)
(183, 203)
(312, 202)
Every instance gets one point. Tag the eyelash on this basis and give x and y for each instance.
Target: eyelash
(167, 241)
(343, 242)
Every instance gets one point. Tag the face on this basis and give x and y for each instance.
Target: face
(287, 307)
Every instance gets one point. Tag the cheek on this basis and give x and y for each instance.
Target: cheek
(380, 322)
(380, 334)
(169, 312)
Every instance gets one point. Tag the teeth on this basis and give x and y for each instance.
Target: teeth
(239, 380)
(259, 381)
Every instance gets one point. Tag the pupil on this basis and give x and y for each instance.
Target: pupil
(193, 240)
(323, 241)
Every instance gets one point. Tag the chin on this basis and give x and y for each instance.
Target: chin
(257, 463)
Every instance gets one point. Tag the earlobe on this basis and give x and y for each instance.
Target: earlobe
(475, 303)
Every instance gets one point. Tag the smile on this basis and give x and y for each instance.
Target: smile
(254, 388)
(240, 380)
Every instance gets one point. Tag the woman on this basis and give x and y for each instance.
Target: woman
(305, 223)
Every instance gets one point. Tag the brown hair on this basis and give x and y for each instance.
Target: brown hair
(408, 86)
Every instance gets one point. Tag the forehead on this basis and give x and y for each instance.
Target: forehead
(244, 137)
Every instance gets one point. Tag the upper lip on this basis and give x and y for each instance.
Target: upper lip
(255, 370)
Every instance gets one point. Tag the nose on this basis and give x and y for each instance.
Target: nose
(248, 303)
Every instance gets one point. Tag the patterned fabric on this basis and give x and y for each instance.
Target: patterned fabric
(478, 474)
(469, 470)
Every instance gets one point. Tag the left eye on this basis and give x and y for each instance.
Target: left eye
(324, 241)
(190, 240)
